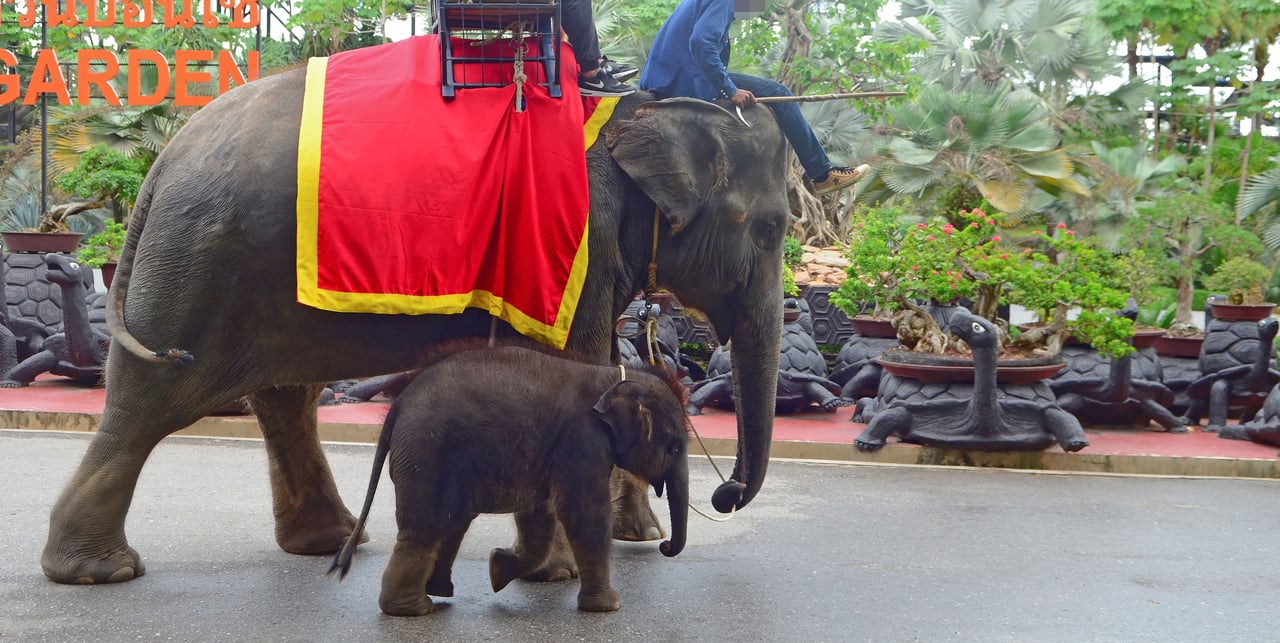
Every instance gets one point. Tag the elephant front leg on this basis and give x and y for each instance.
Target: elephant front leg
(404, 581)
(585, 517)
(310, 516)
(537, 530)
(633, 518)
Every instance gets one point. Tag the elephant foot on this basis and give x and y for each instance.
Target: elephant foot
(554, 570)
(605, 600)
(868, 444)
(1178, 429)
(315, 536)
(1071, 446)
(91, 568)
(505, 565)
(12, 384)
(633, 518)
(418, 605)
(1234, 432)
(1211, 428)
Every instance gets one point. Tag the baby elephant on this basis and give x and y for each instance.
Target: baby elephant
(514, 430)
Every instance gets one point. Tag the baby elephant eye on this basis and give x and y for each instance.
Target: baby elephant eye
(676, 448)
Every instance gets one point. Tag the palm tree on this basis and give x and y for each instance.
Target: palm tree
(1043, 44)
(995, 144)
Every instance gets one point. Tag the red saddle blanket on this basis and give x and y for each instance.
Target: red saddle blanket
(408, 204)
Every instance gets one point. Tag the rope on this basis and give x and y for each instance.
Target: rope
(518, 76)
(653, 264)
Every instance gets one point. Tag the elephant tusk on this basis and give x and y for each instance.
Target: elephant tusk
(740, 117)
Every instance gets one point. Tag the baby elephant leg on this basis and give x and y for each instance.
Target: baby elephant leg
(404, 581)
(587, 523)
(441, 581)
(535, 530)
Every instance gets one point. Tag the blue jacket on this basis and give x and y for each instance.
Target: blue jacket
(690, 56)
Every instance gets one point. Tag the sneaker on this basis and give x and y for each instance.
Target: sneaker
(839, 178)
(603, 85)
(619, 71)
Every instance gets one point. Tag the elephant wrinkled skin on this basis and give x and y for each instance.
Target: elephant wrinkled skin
(207, 269)
(513, 430)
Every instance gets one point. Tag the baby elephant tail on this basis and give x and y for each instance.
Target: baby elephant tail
(342, 561)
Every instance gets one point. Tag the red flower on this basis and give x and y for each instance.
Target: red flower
(991, 221)
(995, 238)
(1006, 255)
(915, 267)
(1062, 226)
(929, 238)
(922, 226)
(1026, 251)
(1071, 233)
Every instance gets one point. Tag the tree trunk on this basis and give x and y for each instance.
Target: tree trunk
(1208, 147)
(1244, 161)
(1186, 285)
(798, 43)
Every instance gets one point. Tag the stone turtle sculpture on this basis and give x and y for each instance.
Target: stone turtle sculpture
(802, 375)
(79, 350)
(1125, 391)
(1264, 428)
(856, 369)
(983, 416)
(1245, 386)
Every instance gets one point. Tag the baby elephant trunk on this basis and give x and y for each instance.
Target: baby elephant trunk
(677, 484)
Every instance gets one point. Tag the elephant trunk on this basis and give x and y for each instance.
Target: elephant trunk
(757, 336)
(677, 484)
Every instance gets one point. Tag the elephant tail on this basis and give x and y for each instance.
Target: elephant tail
(342, 561)
(120, 334)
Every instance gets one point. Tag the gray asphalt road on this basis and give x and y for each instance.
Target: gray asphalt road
(827, 552)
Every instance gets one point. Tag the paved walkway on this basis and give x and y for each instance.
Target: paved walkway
(826, 552)
(51, 403)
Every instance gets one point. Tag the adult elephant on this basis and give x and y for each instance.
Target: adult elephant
(208, 267)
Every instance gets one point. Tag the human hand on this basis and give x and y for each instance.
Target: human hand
(743, 98)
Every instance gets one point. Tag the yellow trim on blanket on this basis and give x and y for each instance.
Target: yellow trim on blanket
(309, 180)
(604, 111)
(310, 294)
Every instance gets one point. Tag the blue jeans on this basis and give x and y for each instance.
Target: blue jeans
(797, 130)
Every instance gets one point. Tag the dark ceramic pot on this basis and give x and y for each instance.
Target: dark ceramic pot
(1241, 312)
(1179, 346)
(41, 242)
(868, 326)
(945, 369)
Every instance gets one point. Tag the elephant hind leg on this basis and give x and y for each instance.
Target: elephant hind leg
(310, 516)
(87, 541)
(404, 581)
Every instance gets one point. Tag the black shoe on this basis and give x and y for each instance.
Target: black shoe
(619, 71)
(603, 85)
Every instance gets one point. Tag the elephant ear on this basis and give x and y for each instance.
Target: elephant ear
(629, 421)
(673, 150)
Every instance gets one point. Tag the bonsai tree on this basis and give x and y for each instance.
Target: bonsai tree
(1176, 231)
(899, 265)
(105, 175)
(1243, 280)
(1072, 275)
(104, 247)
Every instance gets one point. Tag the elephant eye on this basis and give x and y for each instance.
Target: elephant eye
(676, 448)
(977, 328)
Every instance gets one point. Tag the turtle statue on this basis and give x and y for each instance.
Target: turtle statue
(80, 349)
(1264, 428)
(856, 369)
(1245, 386)
(1126, 391)
(983, 416)
(802, 375)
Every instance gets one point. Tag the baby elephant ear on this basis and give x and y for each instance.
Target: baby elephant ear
(629, 420)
